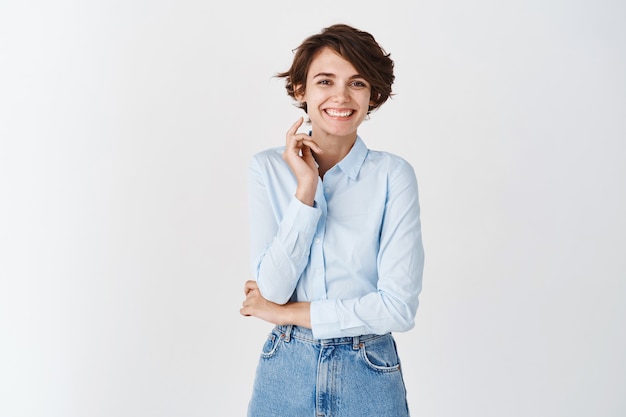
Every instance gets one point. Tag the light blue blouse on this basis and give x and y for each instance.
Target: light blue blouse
(356, 255)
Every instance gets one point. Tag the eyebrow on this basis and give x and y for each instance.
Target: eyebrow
(331, 75)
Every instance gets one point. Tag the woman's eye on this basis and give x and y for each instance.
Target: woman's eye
(359, 84)
(324, 82)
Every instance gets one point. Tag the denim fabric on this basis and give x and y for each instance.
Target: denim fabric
(299, 376)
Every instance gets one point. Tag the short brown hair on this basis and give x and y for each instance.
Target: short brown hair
(357, 47)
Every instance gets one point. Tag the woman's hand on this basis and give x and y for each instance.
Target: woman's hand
(299, 156)
(257, 306)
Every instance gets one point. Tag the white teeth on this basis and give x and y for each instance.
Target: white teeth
(335, 113)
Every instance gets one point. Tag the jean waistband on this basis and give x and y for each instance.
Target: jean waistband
(304, 334)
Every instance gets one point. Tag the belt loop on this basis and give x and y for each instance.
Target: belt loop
(355, 342)
(287, 333)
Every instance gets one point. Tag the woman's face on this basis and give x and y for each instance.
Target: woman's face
(337, 97)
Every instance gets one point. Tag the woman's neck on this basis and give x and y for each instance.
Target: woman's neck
(335, 149)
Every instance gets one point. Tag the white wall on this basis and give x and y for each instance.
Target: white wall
(125, 130)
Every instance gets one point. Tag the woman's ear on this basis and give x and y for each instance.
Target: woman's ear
(373, 102)
(298, 92)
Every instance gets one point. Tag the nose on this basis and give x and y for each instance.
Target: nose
(341, 94)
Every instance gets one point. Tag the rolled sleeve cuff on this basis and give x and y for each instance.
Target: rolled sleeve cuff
(324, 319)
(301, 217)
(297, 229)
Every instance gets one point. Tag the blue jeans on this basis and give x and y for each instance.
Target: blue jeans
(299, 376)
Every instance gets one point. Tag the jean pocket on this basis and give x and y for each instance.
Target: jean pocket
(381, 354)
(270, 346)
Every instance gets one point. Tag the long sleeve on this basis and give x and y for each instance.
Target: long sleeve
(357, 255)
(282, 227)
(392, 305)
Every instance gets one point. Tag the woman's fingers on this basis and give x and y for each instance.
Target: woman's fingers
(310, 143)
(294, 127)
(249, 286)
(301, 142)
(247, 302)
(252, 301)
(297, 141)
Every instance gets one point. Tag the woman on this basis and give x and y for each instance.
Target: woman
(336, 242)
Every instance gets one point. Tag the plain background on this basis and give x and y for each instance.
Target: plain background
(125, 132)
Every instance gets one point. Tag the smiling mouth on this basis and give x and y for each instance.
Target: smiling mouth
(339, 113)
